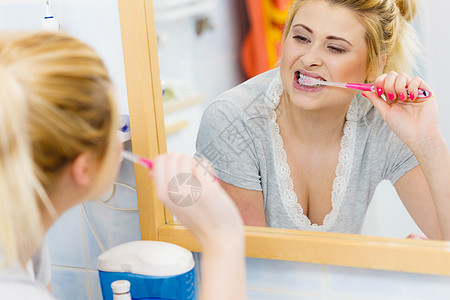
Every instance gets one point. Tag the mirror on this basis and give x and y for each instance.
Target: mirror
(150, 123)
(201, 55)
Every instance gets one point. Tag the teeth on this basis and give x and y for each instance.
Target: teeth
(300, 75)
(304, 76)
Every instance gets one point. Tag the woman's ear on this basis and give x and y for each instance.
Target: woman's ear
(80, 169)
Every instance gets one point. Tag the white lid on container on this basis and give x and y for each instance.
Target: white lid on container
(121, 286)
(150, 258)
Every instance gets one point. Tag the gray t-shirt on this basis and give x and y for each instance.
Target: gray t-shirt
(240, 136)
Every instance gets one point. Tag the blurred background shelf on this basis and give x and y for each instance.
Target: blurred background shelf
(174, 105)
(179, 94)
(176, 127)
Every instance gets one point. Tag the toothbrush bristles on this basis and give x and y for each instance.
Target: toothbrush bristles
(307, 81)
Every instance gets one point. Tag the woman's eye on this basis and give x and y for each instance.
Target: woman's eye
(336, 50)
(301, 39)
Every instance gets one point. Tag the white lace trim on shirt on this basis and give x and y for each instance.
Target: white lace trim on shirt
(343, 170)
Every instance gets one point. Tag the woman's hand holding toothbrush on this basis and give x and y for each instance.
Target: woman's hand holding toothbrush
(213, 219)
(414, 120)
(211, 216)
(400, 87)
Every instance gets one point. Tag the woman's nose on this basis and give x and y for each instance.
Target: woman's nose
(312, 57)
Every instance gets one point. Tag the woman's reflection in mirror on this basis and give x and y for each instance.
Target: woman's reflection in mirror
(310, 158)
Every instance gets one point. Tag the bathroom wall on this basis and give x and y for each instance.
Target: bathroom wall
(94, 22)
(282, 280)
(73, 247)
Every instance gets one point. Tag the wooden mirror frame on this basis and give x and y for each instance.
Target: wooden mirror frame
(149, 139)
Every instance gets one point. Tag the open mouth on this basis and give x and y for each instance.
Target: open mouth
(307, 79)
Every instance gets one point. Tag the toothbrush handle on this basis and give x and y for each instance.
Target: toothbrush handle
(360, 86)
(370, 87)
(146, 163)
(423, 93)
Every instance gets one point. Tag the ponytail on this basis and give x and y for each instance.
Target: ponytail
(408, 9)
(20, 225)
(403, 46)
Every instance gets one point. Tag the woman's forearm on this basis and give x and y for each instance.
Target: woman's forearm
(223, 272)
(434, 159)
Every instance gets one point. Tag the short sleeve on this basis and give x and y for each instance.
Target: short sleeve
(399, 160)
(226, 141)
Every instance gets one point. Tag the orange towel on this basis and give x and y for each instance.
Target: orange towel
(261, 49)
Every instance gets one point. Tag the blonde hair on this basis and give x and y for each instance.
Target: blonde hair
(56, 102)
(388, 31)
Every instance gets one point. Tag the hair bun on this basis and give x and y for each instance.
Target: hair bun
(408, 8)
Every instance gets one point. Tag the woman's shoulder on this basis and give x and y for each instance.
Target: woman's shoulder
(363, 112)
(243, 98)
(369, 121)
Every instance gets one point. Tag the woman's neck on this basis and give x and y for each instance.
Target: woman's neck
(321, 128)
(48, 219)
(62, 196)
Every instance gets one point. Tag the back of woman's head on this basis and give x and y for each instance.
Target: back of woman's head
(388, 31)
(56, 102)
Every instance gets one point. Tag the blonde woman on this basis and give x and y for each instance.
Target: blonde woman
(59, 147)
(310, 158)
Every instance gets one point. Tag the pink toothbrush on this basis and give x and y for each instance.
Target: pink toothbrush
(137, 159)
(309, 81)
(145, 162)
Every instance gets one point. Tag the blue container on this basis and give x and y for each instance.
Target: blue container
(156, 270)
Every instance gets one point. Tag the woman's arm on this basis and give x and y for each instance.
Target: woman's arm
(432, 180)
(250, 204)
(418, 202)
(425, 190)
(223, 271)
(214, 220)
